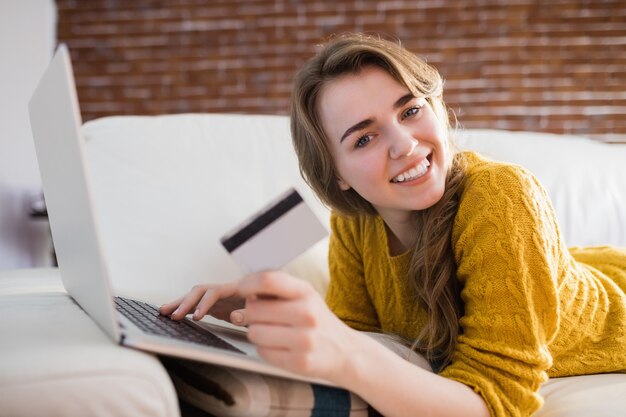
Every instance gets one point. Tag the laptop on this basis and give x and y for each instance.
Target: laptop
(56, 121)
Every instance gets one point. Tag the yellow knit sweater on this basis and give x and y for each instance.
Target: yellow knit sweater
(533, 308)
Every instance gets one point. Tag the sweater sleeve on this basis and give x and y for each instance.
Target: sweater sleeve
(347, 294)
(507, 249)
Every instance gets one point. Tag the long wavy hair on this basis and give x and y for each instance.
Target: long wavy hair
(432, 268)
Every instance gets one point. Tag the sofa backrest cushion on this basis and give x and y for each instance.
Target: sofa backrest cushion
(166, 188)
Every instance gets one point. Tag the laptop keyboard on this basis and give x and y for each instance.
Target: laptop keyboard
(148, 319)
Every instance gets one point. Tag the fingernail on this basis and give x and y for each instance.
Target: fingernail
(174, 313)
(237, 317)
(196, 314)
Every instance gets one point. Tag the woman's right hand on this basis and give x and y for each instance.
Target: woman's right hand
(221, 301)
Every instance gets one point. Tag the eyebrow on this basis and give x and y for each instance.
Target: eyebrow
(367, 122)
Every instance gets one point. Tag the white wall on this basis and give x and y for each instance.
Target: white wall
(27, 39)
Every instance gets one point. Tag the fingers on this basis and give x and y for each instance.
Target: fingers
(291, 325)
(296, 349)
(273, 284)
(281, 337)
(191, 301)
(179, 308)
(218, 300)
(239, 317)
(167, 309)
(278, 298)
(226, 301)
(277, 345)
(212, 296)
(302, 312)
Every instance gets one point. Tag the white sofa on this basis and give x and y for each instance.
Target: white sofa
(167, 187)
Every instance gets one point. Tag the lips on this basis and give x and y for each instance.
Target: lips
(413, 173)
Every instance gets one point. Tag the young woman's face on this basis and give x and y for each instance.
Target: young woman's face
(388, 145)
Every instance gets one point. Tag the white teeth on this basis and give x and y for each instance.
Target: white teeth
(413, 173)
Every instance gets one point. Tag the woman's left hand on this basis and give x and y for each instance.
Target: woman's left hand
(293, 328)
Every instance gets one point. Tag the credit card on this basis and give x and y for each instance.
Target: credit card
(276, 234)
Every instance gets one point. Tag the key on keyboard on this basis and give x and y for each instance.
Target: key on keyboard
(148, 319)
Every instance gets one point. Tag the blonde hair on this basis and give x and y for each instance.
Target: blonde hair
(432, 270)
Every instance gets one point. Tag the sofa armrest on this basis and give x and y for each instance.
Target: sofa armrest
(55, 361)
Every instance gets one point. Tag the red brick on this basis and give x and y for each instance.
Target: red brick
(557, 66)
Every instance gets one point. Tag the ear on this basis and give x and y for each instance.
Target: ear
(343, 185)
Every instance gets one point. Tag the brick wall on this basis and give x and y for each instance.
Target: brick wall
(552, 65)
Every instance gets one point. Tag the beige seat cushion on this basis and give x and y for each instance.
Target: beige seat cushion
(601, 395)
(55, 361)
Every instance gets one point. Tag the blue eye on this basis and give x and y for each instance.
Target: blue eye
(412, 111)
(362, 141)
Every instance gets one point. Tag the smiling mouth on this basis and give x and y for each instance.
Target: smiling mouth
(414, 173)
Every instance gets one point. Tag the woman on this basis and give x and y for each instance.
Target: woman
(458, 254)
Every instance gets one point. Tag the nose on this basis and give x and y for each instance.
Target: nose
(402, 143)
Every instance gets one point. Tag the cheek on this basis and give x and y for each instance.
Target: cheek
(363, 164)
(440, 141)
(343, 172)
(364, 172)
